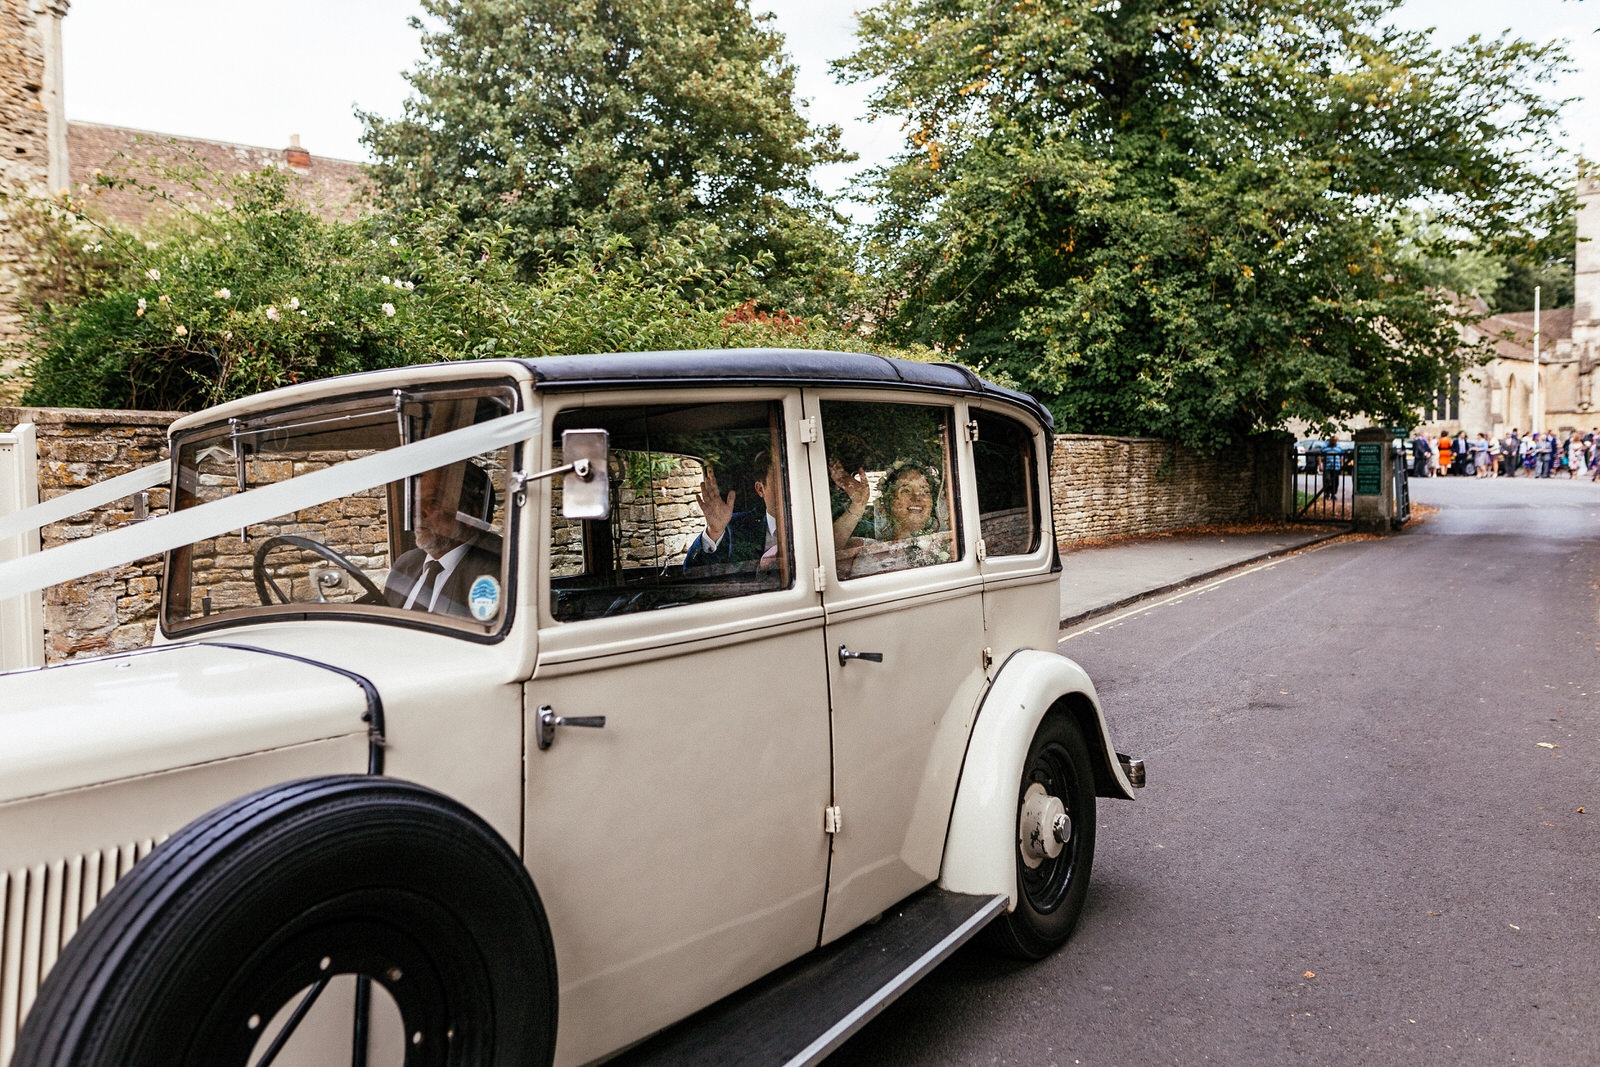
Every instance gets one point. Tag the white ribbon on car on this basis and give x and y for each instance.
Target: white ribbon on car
(64, 507)
(103, 551)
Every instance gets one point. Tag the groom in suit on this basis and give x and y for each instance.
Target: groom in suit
(450, 554)
(749, 536)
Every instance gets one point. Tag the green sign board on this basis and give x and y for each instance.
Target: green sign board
(1369, 468)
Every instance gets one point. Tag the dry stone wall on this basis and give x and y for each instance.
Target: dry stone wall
(1116, 486)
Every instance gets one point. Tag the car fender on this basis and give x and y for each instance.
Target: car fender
(980, 848)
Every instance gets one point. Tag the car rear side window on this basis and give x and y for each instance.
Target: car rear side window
(893, 491)
(699, 511)
(1008, 478)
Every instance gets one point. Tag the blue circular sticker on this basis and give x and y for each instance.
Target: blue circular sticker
(483, 599)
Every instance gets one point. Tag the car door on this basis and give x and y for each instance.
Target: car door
(1011, 490)
(680, 847)
(902, 586)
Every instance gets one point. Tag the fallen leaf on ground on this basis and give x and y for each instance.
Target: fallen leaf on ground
(1309, 974)
(1546, 744)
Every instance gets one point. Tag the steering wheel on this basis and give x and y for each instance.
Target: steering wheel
(371, 594)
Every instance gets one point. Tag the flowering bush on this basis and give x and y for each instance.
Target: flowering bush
(258, 292)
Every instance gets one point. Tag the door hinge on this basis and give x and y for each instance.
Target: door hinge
(988, 658)
(983, 550)
(971, 431)
(820, 578)
(832, 821)
(808, 430)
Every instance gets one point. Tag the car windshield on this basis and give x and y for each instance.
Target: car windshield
(422, 549)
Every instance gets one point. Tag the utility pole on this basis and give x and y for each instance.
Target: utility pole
(1538, 408)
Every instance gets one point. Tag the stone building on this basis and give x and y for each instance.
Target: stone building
(42, 152)
(1501, 394)
(33, 136)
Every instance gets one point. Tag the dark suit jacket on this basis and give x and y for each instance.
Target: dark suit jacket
(743, 541)
(452, 599)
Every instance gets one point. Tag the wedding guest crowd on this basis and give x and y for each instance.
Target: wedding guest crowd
(1537, 455)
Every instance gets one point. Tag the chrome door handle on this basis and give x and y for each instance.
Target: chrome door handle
(846, 655)
(549, 720)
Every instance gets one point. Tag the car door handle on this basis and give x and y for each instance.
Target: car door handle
(549, 720)
(845, 655)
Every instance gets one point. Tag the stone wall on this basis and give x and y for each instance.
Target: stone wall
(113, 610)
(1115, 486)
(24, 147)
(24, 121)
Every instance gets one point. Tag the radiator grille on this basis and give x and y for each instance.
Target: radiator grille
(40, 908)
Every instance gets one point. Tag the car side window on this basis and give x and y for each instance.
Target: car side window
(893, 492)
(1007, 475)
(699, 511)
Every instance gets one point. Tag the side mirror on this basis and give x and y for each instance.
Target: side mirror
(585, 488)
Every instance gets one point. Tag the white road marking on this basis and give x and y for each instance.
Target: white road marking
(1195, 591)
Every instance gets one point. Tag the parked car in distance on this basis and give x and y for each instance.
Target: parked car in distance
(513, 712)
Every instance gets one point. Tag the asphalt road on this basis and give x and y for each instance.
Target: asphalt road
(1372, 831)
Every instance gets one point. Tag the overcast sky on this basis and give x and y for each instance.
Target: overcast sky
(256, 73)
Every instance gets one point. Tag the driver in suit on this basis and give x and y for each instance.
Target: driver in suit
(451, 554)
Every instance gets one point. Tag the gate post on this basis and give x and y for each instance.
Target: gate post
(1374, 478)
(21, 618)
(1274, 468)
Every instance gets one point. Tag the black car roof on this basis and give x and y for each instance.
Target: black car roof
(768, 366)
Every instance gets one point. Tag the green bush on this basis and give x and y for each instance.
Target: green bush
(258, 292)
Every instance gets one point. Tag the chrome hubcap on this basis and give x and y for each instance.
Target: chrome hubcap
(1043, 827)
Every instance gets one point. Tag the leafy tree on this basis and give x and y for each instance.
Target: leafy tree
(1188, 218)
(575, 122)
(1547, 260)
(260, 292)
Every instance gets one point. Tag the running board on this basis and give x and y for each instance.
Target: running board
(801, 1013)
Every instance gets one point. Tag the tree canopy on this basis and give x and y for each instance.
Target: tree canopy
(256, 291)
(576, 122)
(1194, 219)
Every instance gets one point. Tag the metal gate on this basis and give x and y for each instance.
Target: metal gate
(1402, 486)
(1324, 483)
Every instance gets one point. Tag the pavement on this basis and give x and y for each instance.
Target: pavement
(1103, 578)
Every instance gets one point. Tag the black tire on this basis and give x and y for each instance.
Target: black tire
(245, 907)
(1050, 894)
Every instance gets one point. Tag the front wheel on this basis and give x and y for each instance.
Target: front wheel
(215, 949)
(1055, 842)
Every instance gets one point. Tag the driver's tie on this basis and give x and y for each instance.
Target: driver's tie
(430, 574)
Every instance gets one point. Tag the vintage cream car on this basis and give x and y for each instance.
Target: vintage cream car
(514, 712)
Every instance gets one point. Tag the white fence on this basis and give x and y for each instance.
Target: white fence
(21, 618)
